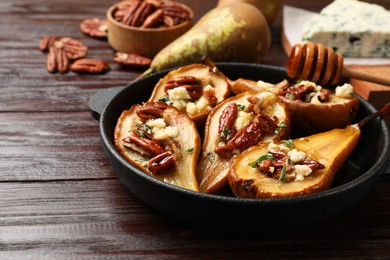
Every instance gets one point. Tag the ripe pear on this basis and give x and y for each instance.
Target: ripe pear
(270, 8)
(237, 32)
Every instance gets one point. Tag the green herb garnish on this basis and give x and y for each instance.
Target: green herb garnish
(225, 133)
(141, 134)
(260, 159)
(147, 129)
(189, 150)
(282, 177)
(164, 99)
(289, 143)
(211, 157)
(241, 107)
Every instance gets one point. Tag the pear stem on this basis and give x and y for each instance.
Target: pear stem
(384, 110)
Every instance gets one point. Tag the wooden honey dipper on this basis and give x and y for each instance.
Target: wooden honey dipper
(319, 64)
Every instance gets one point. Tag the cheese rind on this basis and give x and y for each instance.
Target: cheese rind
(352, 28)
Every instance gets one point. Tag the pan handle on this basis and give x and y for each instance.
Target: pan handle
(99, 100)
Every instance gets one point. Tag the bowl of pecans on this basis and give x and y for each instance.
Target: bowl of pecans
(144, 27)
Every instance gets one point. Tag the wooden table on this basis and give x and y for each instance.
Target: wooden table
(59, 197)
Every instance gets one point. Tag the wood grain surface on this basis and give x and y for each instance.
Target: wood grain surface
(59, 197)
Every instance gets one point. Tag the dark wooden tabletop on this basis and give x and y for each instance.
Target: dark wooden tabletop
(59, 197)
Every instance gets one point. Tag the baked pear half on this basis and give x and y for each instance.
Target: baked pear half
(315, 109)
(233, 126)
(161, 141)
(195, 89)
(293, 167)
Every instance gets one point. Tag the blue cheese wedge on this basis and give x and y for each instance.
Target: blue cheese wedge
(352, 28)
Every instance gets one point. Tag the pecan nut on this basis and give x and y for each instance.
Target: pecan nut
(46, 42)
(248, 136)
(226, 129)
(57, 61)
(149, 146)
(132, 60)
(190, 83)
(151, 110)
(74, 49)
(90, 66)
(152, 13)
(162, 163)
(94, 27)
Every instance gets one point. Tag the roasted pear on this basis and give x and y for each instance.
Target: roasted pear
(295, 167)
(314, 109)
(292, 168)
(233, 126)
(195, 89)
(161, 141)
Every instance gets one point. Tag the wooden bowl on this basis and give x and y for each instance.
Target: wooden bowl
(146, 42)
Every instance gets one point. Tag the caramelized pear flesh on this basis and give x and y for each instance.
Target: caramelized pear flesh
(309, 113)
(330, 149)
(178, 138)
(220, 147)
(195, 89)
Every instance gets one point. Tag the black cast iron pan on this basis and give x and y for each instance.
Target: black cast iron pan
(226, 212)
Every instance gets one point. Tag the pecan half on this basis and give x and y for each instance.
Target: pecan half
(95, 27)
(162, 163)
(90, 66)
(74, 49)
(151, 13)
(150, 147)
(151, 110)
(57, 61)
(226, 129)
(248, 136)
(46, 42)
(133, 61)
(190, 83)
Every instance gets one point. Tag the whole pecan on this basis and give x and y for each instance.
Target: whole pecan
(132, 60)
(90, 66)
(162, 163)
(151, 110)
(190, 83)
(57, 61)
(94, 27)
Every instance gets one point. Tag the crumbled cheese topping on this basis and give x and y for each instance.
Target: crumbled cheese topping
(243, 119)
(296, 156)
(160, 130)
(179, 93)
(344, 91)
(301, 171)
